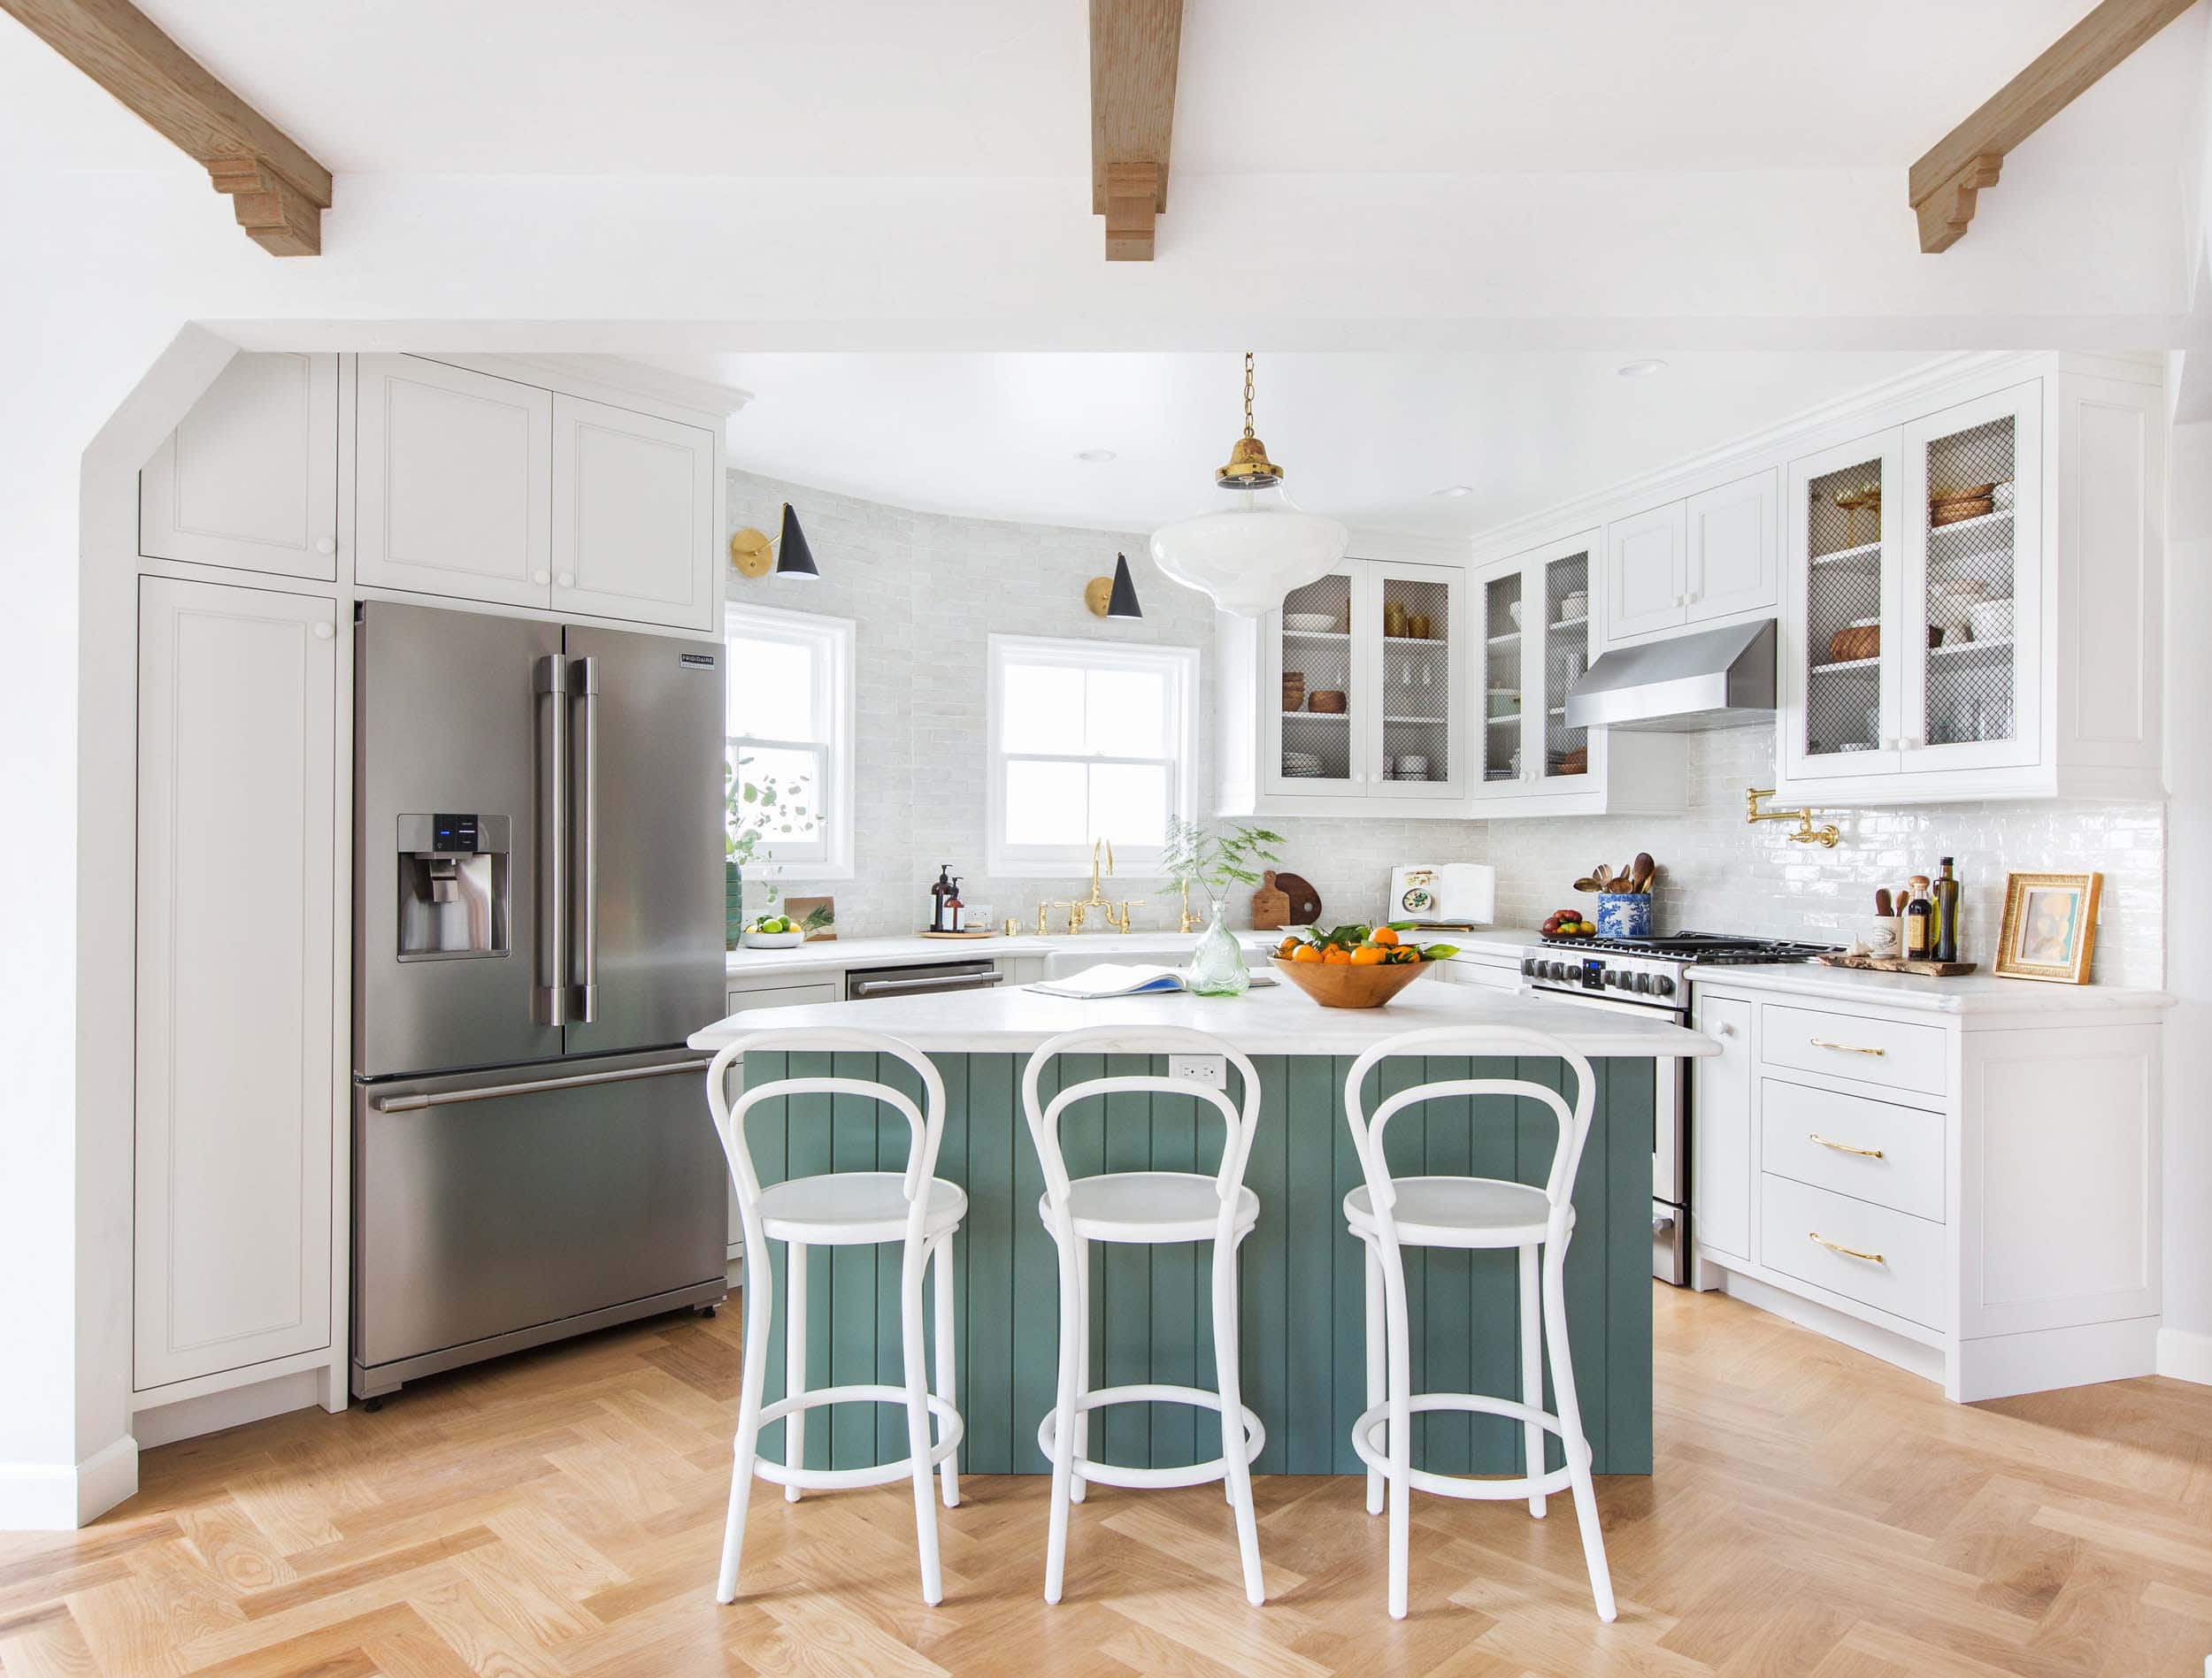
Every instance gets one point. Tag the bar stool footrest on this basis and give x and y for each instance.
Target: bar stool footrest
(1367, 1440)
(1197, 1474)
(879, 1474)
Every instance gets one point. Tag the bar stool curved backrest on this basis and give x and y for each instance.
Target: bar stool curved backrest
(1239, 1123)
(1471, 1213)
(1486, 1042)
(840, 1208)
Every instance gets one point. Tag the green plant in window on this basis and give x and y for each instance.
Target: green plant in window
(757, 811)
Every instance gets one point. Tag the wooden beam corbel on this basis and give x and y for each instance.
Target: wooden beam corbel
(1135, 46)
(1943, 184)
(278, 190)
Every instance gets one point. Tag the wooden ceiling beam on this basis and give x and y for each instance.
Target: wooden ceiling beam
(1942, 185)
(1135, 46)
(278, 190)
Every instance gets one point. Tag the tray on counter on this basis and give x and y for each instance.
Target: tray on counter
(1898, 964)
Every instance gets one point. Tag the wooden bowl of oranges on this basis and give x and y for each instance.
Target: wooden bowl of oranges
(1355, 967)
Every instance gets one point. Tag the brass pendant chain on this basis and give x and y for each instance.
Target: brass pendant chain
(1248, 393)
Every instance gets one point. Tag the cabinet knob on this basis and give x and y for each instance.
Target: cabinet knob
(566, 580)
(324, 631)
(540, 578)
(1724, 1029)
(325, 544)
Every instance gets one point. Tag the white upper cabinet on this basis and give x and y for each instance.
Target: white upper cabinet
(1978, 617)
(250, 479)
(454, 494)
(237, 841)
(1349, 699)
(633, 511)
(1647, 571)
(1532, 642)
(1734, 565)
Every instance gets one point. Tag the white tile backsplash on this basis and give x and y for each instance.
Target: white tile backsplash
(926, 589)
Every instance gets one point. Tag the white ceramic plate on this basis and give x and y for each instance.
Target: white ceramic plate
(1313, 623)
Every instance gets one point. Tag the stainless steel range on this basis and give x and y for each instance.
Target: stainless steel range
(1651, 976)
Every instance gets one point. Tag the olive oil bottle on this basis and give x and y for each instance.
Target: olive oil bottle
(1945, 947)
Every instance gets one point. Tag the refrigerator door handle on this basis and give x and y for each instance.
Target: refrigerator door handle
(583, 686)
(550, 992)
(536, 1086)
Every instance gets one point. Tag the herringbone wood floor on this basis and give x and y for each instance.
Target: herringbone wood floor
(1814, 1513)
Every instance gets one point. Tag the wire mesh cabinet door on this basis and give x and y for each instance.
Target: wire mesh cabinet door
(1314, 689)
(1842, 707)
(1972, 583)
(1416, 643)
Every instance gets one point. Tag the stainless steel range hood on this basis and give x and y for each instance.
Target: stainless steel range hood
(1682, 684)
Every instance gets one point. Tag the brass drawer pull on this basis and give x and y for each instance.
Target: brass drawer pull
(1847, 1048)
(1848, 1252)
(1843, 1147)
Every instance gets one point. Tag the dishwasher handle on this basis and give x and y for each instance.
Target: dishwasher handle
(862, 988)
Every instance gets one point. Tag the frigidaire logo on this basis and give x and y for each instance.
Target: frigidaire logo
(696, 661)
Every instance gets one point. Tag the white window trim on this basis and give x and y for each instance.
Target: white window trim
(1179, 664)
(834, 861)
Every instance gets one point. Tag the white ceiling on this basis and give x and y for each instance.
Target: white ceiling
(999, 87)
(1366, 438)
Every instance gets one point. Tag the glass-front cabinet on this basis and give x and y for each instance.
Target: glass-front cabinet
(1363, 668)
(1534, 642)
(1908, 552)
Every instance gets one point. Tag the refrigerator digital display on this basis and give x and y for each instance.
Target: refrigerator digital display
(453, 832)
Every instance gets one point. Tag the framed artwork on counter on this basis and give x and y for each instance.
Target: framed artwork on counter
(2050, 927)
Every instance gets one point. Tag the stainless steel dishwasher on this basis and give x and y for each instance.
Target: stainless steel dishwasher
(933, 980)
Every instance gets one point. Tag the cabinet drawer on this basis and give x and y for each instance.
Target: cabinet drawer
(1848, 1045)
(1895, 1261)
(1874, 1150)
(783, 996)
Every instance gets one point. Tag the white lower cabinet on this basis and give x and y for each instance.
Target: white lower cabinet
(236, 1097)
(1972, 1193)
(775, 993)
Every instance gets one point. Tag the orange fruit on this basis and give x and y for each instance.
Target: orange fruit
(1369, 955)
(1305, 953)
(1287, 946)
(1382, 935)
(1339, 957)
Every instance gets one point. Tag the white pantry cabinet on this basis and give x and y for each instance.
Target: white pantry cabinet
(237, 853)
(1533, 615)
(1348, 699)
(1971, 1192)
(632, 512)
(248, 479)
(1714, 555)
(453, 495)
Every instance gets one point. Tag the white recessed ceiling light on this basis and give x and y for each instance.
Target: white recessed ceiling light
(1096, 456)
(1639, 369)
(1455, 491)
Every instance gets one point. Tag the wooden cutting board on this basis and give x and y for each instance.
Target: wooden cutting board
(1898, 964)
(1305, 902)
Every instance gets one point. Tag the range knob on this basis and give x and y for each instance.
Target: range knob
(1559, 969)
(1611, 979)
(1662, 985)
(1643, 984)
(1528, 967)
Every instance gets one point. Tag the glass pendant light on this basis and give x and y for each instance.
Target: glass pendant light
(1247, 557)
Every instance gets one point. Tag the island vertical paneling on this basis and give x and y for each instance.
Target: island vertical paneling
(1301, 1279)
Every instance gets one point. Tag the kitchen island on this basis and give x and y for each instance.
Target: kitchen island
(1301, 1278)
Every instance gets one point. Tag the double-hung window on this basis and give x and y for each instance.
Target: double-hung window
(1089, 740)
(789, 727)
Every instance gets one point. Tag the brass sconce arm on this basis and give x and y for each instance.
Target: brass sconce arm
(1806, 833)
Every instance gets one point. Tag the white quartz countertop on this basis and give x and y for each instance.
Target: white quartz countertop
(1494, 943)
(1969, 993)
(1274, 1020)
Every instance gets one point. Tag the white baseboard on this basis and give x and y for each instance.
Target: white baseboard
(44, 1497)
(1911, 1356)
(232, 1407)
(2187, 1356)
(2043, 1359)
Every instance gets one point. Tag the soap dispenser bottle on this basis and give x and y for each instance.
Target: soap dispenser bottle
(940, 899)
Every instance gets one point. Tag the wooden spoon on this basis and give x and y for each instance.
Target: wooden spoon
(1587, 884)
(1644, 869)
(1604, 878)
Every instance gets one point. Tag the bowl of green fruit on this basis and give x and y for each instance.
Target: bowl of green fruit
(771, 932)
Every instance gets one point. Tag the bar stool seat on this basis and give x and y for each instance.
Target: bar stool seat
(1145, 1207)
(1459, 1212)
(854, 1208)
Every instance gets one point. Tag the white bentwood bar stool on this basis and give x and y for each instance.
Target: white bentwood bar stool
(1389, 1214)
(915, 1207)
(1147, 1208)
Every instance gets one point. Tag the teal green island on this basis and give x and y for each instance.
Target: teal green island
(1301, 1278)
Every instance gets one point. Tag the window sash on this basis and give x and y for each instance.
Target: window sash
(828, 643)
(820, 797)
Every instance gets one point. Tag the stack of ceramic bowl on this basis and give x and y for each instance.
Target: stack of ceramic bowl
(1302, 765)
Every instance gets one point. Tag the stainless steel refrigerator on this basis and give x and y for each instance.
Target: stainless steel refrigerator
(537, 928)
